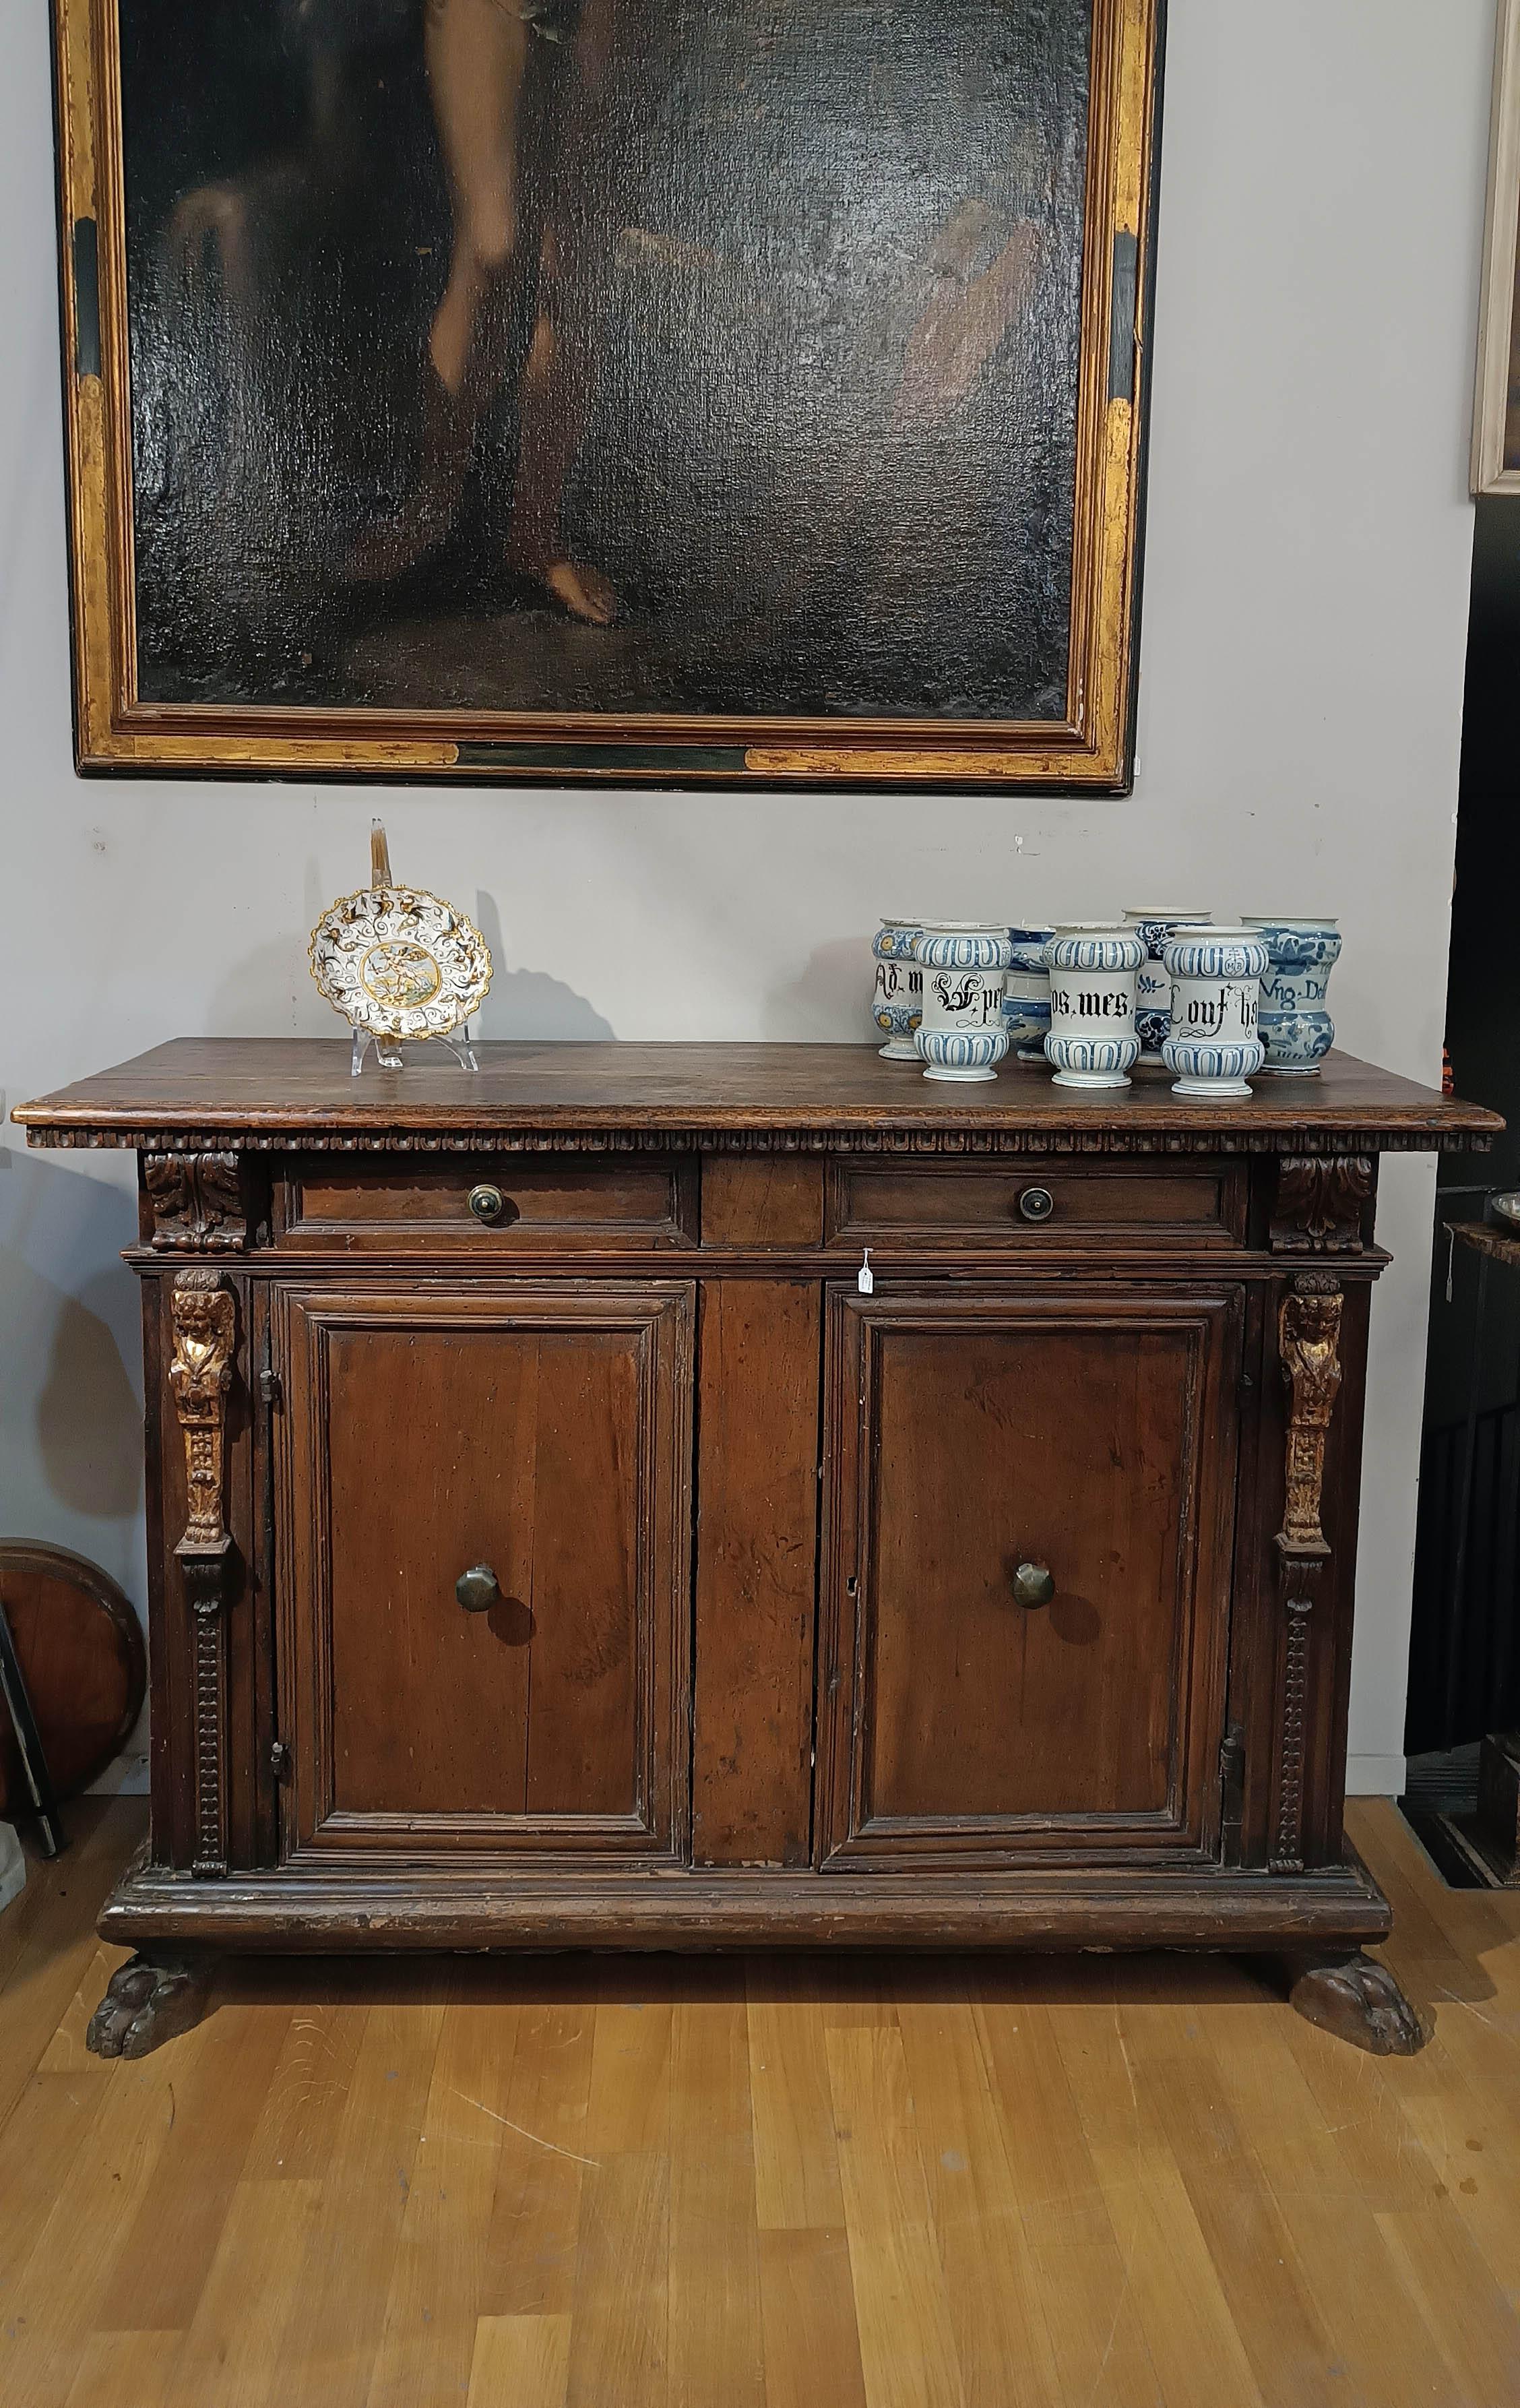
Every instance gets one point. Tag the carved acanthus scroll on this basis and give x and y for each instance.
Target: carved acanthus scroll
(205, 1316)
(1309, 1340)
(1322, 1202)
(197, 1203)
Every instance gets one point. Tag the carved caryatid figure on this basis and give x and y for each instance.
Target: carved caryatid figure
(204, 1315)
(1309, 1342)
(205, 1334)
(1309, 1337)
(163, 1991)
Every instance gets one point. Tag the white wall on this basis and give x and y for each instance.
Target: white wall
(1305, 619)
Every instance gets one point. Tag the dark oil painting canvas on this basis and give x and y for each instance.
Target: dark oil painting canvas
(622, 364)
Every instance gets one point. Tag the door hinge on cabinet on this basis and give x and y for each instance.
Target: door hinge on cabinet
(1231, 1793)
(279, 1759)
(271, 1391)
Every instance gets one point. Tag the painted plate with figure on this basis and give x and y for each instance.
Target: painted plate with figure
(398, 962)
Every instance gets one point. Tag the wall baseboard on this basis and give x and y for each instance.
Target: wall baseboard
(125, 1776)
(12, 1866)
(1375, 1776)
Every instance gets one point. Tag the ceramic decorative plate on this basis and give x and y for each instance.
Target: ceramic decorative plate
(398, 962)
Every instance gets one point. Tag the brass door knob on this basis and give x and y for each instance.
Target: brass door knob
(479, 1589)
(1037, 1204)
(1033, 1585)
(487, 1203)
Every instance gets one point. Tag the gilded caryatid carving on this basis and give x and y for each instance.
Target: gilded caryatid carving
(200, 1374)
(205, 1319)
(1309, 1341)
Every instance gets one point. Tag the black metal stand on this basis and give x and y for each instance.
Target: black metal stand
(1479, 1848)
(29, 1740)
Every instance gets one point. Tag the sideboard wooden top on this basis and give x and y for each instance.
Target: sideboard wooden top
(238, 1092)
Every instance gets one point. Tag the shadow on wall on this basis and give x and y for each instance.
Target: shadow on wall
(86, 1408)
(270, 990)
(88, 1416)
(835, 986)
(529, 1003)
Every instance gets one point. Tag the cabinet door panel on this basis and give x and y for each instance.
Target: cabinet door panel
(1094, 1436)
(543, 1435)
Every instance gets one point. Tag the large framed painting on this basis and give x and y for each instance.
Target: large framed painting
(700, 391)
(1495, 449)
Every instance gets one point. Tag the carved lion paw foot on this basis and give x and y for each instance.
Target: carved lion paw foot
(148, 2000)
(1357, 2000)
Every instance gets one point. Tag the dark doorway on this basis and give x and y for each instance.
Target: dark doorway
(1465, 1652)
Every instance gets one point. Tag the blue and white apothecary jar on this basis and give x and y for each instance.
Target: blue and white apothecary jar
(1296, 1029)
(1027, 997)
(898, 1005)
(964, 963)
(1093, 1041)
(1213, 1047)
(1153, 987)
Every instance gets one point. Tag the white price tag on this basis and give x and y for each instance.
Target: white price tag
(866, 1282)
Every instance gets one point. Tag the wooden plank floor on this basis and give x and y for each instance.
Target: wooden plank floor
(821, 2183)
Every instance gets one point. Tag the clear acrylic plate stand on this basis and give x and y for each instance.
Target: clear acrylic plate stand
(388, 1056)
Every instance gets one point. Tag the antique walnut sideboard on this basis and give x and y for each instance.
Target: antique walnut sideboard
(554, 1541)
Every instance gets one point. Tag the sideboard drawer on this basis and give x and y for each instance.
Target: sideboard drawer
(1037, 1202)
(552, 1202)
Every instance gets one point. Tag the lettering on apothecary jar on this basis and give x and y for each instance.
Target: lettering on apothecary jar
(967, 999)
(1224, 1009)
(898, 982)
(1091, 1003)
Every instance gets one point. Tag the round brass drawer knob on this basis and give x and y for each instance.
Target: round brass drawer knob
(479, 1589)
(1033, 1585)
(487, 1203)
(1037, 1204)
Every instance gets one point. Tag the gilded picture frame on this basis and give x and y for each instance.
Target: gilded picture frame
(1030, 337)
(1496, 443)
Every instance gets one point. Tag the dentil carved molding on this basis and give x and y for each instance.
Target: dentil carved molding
(1204, 1136)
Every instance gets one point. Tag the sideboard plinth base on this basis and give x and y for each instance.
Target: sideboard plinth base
(1325, 1913)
